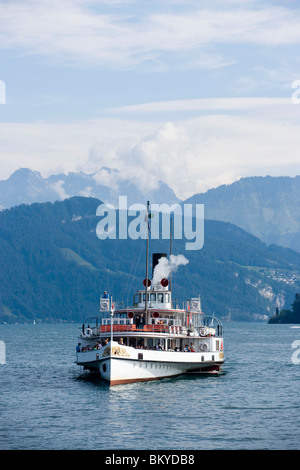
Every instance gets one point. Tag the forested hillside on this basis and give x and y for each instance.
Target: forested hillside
(54, 268)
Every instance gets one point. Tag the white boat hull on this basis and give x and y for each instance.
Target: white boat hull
(122, 364)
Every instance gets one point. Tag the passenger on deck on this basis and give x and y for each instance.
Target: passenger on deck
(142, 321)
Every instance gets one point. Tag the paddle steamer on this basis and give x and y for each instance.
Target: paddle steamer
(152, 339)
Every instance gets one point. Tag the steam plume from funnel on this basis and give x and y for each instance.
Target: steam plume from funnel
(167, 266)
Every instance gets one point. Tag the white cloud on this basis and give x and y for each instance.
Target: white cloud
(58, 188)
(60, 148)
(197, 154)
(249, 44)
(123, 35)
(191, 155)
(203, 104)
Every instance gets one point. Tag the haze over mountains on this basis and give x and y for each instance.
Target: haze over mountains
(25, 186)
(267, 207)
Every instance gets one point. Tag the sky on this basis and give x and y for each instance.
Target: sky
(194, 93)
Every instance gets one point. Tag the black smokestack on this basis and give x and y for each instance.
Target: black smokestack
(155, 258)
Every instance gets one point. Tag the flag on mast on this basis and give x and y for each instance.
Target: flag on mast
(148, 216)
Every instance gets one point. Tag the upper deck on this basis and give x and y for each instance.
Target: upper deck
(152, 314)
(153, 321)
(135, 321)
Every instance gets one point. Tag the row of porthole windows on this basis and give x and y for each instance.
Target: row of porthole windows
(151, 366)
(167, 366)
(160, 366)
(154, 366)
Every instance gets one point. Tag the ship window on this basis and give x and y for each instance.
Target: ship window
(120, 315)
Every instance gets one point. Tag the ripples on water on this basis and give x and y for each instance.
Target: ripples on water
(48, 402)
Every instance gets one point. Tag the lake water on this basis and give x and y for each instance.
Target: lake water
(47, 402)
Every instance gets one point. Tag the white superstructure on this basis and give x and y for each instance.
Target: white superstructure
(151, 340)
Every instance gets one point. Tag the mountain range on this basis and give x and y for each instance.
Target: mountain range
(54, 267)
(267, 207)
(25, 186)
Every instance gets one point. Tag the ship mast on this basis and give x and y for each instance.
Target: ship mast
(171, 232)
(111, 324)
(147, 261)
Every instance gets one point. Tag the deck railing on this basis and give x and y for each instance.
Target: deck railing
(174, 330)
